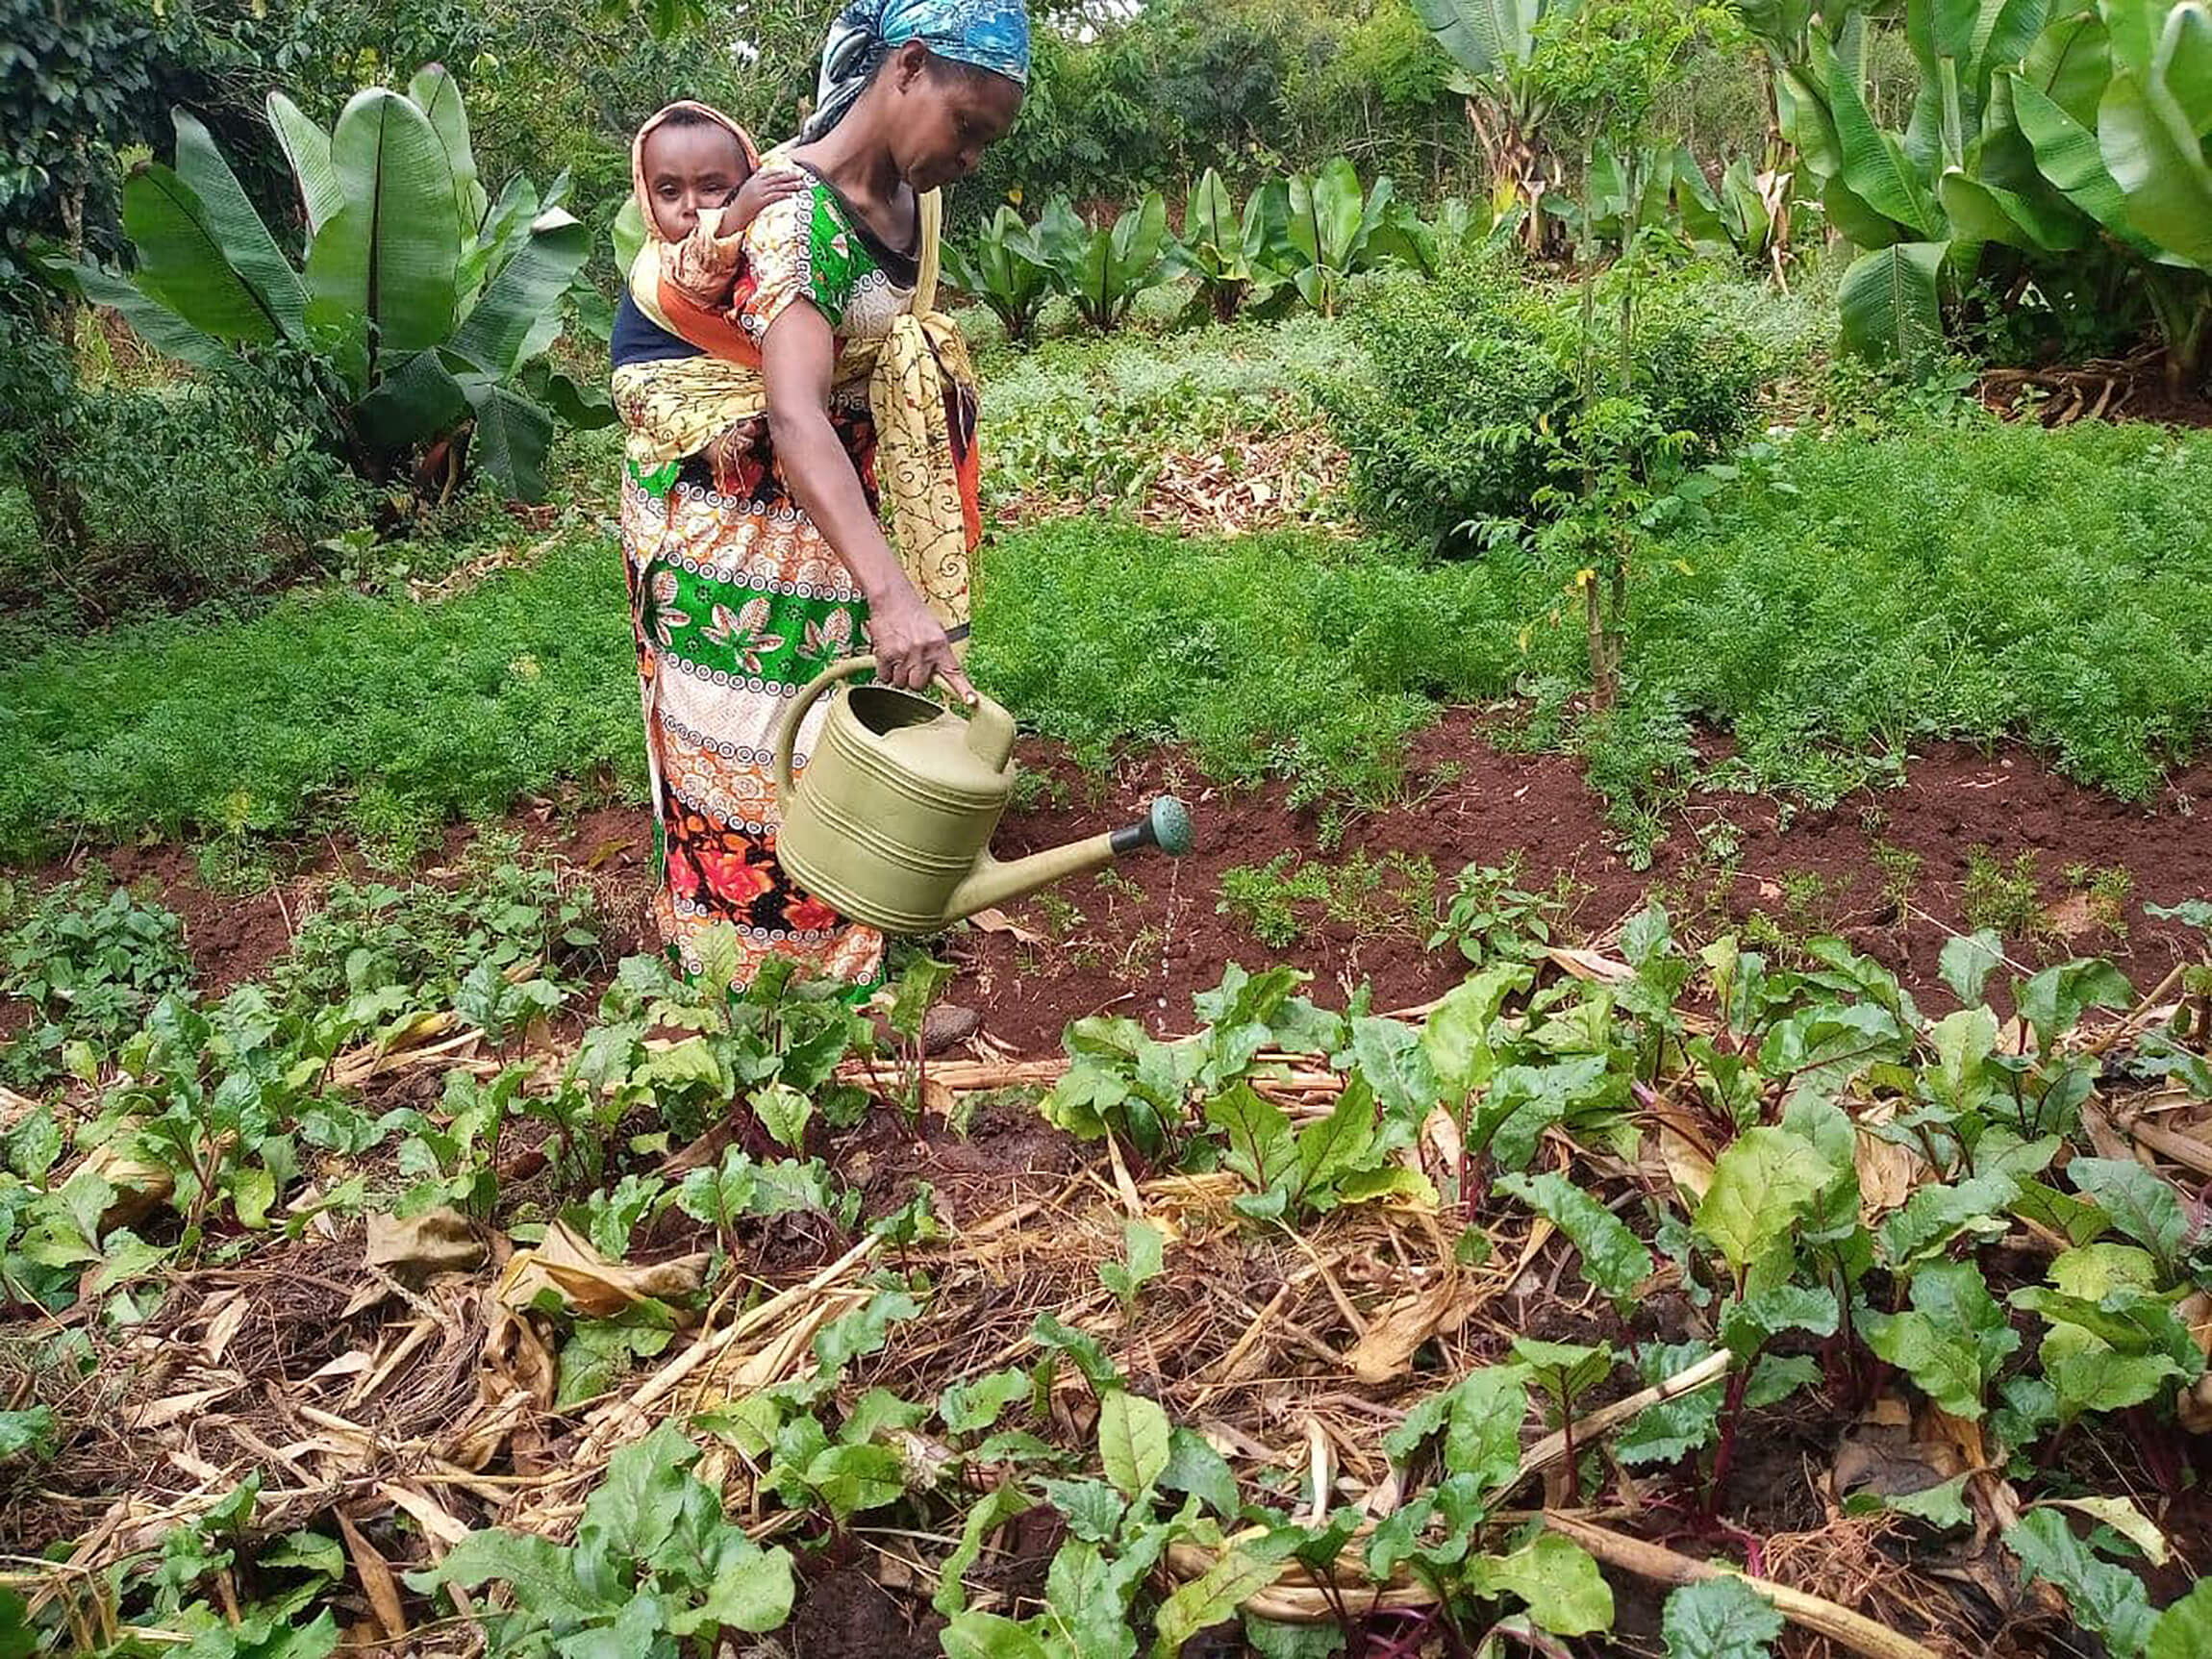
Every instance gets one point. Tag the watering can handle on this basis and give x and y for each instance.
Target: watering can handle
(788, 734)
(991, 727)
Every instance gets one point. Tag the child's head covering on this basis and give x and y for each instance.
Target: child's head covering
(660, 119)
(990, 34)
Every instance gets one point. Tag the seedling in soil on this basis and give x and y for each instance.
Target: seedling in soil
(1492, 917)
(1117, 886)
(1058, 914)
(1901, 872)
(1144, 945)
(1037, 788)
(920, 986)
(1263, 899)
(2108, 887)
(2008, 903)
(1565, 1371)
(1143, 1247)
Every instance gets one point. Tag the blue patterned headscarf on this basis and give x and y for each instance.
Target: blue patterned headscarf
(990, 34)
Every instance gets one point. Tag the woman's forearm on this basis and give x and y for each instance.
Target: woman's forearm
(799, 360)
(822, 478)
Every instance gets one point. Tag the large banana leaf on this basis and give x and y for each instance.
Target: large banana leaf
(627, 234)
(1326, 213)
(1978, 38)
(512, 434)
(1213, 235)
(1985, 213)
(1891, 305)
(2186, 67)
(1876, 167)
(414, 403)
(390, 253)
(2152, 143)
(1801, 110)
(156, 323)
(246, 244)
(1861, 225)
(1140, 237)
(2066, 154)
(437, 94)
(1699, 203)
(307, 147)
(2070, 63)
(1483, 37)
(528, 286)
(184, 263)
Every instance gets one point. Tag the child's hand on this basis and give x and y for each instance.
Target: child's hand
(770, 184)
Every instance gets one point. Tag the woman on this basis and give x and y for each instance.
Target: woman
(749, 502)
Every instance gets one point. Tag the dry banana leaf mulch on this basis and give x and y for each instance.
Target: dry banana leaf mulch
(379, 1371)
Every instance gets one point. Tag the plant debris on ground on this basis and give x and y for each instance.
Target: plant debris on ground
(1619, 1297)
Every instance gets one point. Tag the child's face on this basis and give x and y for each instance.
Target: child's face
(687, 169)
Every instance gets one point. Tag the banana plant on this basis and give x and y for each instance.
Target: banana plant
(1462, 228)
(1104, 270)
(1925, 205)
(1007, 271)
(1336, 230)
(1749, 215)
(2116, 105)
(1625, 196)
(1231, 256)
(426, 306)
(1490, 43)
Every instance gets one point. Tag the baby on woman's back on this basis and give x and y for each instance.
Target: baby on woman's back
(698, 173)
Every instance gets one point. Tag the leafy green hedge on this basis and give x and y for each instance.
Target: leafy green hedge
(1468, 365)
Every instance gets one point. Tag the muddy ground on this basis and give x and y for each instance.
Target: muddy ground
(1887, 869)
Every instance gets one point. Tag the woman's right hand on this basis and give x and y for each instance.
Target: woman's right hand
(911, 646)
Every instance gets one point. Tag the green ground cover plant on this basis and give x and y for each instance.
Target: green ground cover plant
(1269, 658)
(1843, 596)
(383, 716)
(1085, 419)
(89, 960)
(1858, 593)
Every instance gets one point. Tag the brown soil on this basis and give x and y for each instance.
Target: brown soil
(1144, 952)
(2134, 388)
(848, 1614)
(1142, 938)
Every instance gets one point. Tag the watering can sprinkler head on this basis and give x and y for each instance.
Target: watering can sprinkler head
(892, 821)
(1165, 825)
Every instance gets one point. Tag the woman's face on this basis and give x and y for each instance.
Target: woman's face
(948, 115)
(687, 169)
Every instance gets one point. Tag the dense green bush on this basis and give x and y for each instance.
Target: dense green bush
(1468, 368)
(189, 492)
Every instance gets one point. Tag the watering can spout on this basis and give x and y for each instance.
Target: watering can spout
(1167, 825)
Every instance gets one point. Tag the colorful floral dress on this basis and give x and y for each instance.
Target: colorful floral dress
(739, 601)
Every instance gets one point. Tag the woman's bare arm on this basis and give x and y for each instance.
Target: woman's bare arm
(798, 358)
